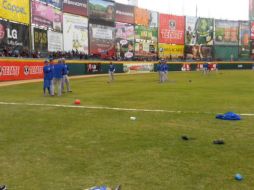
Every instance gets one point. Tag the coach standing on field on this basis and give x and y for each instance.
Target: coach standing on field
(58, 76)
(52, 89)
(65, 77)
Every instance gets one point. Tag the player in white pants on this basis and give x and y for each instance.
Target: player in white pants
(65, 77)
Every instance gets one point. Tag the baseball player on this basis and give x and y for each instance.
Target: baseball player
(47, 77)
(58, 76)
(111, 72)
(51, 64)
(65, 77)
(165, 71)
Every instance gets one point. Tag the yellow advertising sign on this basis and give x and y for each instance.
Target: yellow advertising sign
(168, 50)
(15, 10)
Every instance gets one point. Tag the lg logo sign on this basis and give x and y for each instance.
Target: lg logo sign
(11, 33)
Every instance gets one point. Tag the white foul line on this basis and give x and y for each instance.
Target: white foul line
(116, 109)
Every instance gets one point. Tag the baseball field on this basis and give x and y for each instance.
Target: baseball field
(50, 143)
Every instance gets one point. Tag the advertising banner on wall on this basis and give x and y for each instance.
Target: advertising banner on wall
(40, 40)
(244, 42)
(153, 19)
(55, 41)
(101, 10)
(15, 10)
(14, 35)
(77, 7)
(146, 41)
(142, 16)
(138, 67)
(20, 70)
(226, 32)
(251, 10)
(168, 51)
(93, 68)
(124, 13)
(55, 3)
(57, 20)
(102, 40)
(198, 52)
(171, 30)
(252, 30)
(75, 33)
(252, 49)
(43, 15)
(124, 40)
(190, 30)
(204, 31)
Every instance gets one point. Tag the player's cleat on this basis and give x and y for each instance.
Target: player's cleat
(3, 187)
(185, 138)
(220, 142)
(118, 187)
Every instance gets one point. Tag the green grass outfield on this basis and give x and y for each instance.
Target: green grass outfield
(64, 148)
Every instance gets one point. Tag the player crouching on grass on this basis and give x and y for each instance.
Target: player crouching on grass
(111, 71)
(47, 77)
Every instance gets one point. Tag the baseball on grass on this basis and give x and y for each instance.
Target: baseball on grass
(133, 118)
(77, 102)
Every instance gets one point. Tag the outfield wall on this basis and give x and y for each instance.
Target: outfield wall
(26, 69)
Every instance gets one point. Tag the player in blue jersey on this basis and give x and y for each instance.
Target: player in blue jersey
(111, 71)
(58, 76)
(205, 68)
(51, 64)
(161, 71)
(165, 71)
(47, 77)
(158, 70)
(65, 77)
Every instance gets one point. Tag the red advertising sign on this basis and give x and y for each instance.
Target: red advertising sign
(102, 40)
(171, 29)
(124, 13)
(20, 70)
(77, 7)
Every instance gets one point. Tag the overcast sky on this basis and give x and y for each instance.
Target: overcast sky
(220, 9)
